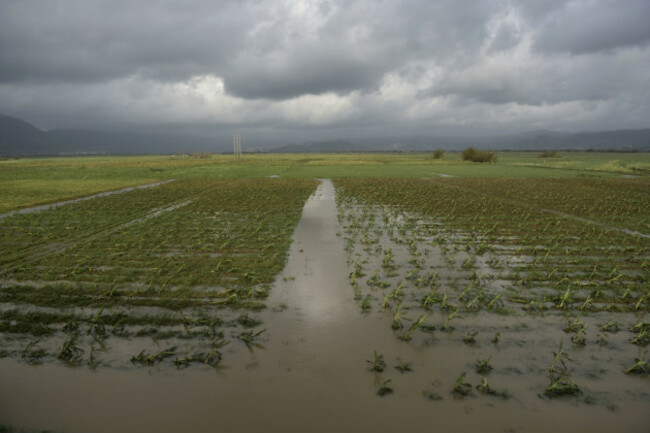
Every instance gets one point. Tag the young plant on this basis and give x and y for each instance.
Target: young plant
(610, 326)
(559, 356)
(562, 386)
(249, 337)
(414, 327)
(403, 367)
(365, 304)
(579, 338)
(641, 366)
(71, 353)
(483, 366)
(145, 359)
(470, 337)
(383, 387)
(397, 323)
(445, 326)
(485, 389)
(461, 388)
(575, 326)
(377, 363)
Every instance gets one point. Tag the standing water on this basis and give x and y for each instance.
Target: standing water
(309, 373)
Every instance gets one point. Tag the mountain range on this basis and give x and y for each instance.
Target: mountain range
(18, 137)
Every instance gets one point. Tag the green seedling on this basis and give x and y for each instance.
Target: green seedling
(565, 299)
(495, 339)
(377, 363)
(496, 302)
(641, 366)
(461, 388)
(144, 359)
(559, 356)
(579, 338)
(212, 359)
(610, 326)
(430, 299)
(249, 337)
(387, 262)
(562, 386)
(485, 389)
(642, 338)
(397, 293)
(639, 327)
(365, 304)
(470, 337)
(403, 367)
(414, 327)
(483, 366)
(71, 353)
(575, 326)
(397, 323)
(445, 326)
(383, 387)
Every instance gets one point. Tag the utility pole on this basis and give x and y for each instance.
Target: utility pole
(237, 145)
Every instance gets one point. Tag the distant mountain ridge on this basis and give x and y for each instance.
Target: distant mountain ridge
(621, 140)
(18, 137)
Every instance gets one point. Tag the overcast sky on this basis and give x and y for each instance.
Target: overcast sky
(327, 68)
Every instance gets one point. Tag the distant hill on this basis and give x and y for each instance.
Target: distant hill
(80, 140)
(18, 137)
(320, 147)
(625, 139)
(622, 140)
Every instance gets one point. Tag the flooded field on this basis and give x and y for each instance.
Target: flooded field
(387, 311)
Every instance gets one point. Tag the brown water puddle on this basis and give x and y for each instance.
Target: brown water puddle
(310, 374)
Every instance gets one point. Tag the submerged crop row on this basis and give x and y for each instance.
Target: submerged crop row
(486, 265)
(168, 263)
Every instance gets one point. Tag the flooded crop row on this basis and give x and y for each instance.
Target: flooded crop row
(401, 303)
(92, 283)
(538, 302)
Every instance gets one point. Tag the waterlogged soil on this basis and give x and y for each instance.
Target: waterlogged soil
(80, 199)
(309, 370)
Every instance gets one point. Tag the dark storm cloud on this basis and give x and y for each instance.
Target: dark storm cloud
(88, 41)
(329, 63)
(588, 26)
(259, 47)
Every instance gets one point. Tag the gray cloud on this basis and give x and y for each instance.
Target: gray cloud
(592, 26)
(365, 64)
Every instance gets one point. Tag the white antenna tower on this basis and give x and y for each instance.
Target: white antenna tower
(237, 145)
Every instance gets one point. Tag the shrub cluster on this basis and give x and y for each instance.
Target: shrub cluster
(438, 154)
(471, 154)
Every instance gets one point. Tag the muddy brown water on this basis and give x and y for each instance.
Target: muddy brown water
(310, 372)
